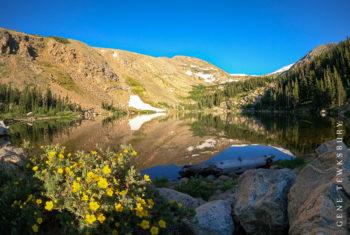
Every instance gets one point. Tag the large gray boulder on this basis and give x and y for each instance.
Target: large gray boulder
(261, 200)
(320, 189)
(213, 218)
(3, 129)
(10, 159)
(182, 198)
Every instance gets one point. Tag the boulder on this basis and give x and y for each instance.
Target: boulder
(321, 193)
(3, 129)
(182, 198)
(261, 200)
(10, 159)
(213, 218)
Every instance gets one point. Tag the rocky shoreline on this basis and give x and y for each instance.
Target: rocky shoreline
(275, 201)
(261, 201)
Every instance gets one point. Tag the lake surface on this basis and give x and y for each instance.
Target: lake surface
(167, 141)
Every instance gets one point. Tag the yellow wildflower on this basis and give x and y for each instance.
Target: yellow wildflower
(147, 178)
(123, 192)
(35, 228)
(109, 192)
(51, 154)
(49, 205)
(90, 219)
(75, 187)
(94, 206)
(35, 168)
(90, 176)
(118, 207)
(61, 156)
(154, 230)
(126, 151)
(38, 201)
(106, 170)
(134, 153)
(93, 152)
(144, 224)
(162, 223)
(60, 171)
(102, 183)
(85, 197)
(39, 220)
(101, 218)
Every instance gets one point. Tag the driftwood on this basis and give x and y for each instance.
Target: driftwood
(227, 167)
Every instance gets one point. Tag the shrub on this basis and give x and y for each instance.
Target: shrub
(291, 164)
(161, 182)
(197, 187)
(96, 193)
(60, 39)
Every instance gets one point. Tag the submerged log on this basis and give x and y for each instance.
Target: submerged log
(227, 167)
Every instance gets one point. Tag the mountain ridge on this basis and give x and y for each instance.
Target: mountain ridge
(92, 75)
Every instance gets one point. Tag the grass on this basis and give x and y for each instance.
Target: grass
(136, 87)
(139, 90)
(296, 163)
(227, 184)
(3, 69)
(60, 39)
(67, 82)
(197, 187)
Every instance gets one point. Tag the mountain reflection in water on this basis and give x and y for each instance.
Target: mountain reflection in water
(179, 139)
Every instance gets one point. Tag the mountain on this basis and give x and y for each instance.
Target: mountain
(89, 76)
(320, 80)
(281, 70)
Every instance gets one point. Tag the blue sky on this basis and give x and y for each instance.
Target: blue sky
(251, 36)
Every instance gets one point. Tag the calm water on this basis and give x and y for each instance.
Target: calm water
(166, 142)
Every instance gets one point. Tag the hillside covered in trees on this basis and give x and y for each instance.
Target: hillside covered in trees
(320, 81)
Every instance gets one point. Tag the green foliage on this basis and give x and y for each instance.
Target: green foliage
(161, 182)
(60, 39)
(291, 164)
(211, 96)
(197, 187)
(110, 107)
(84, 193)
(136, 87)
(227, 184)
(32, 99)
(68, 83)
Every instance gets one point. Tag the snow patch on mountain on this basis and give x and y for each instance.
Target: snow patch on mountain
(239, 74)
(189, 73)
(285, 68)
(136, 102)
(206, 77)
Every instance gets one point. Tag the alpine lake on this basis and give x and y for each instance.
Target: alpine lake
(166, 142)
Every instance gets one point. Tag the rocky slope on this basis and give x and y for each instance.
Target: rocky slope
(89, 76)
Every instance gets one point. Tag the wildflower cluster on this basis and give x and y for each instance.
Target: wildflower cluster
(98, 191)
